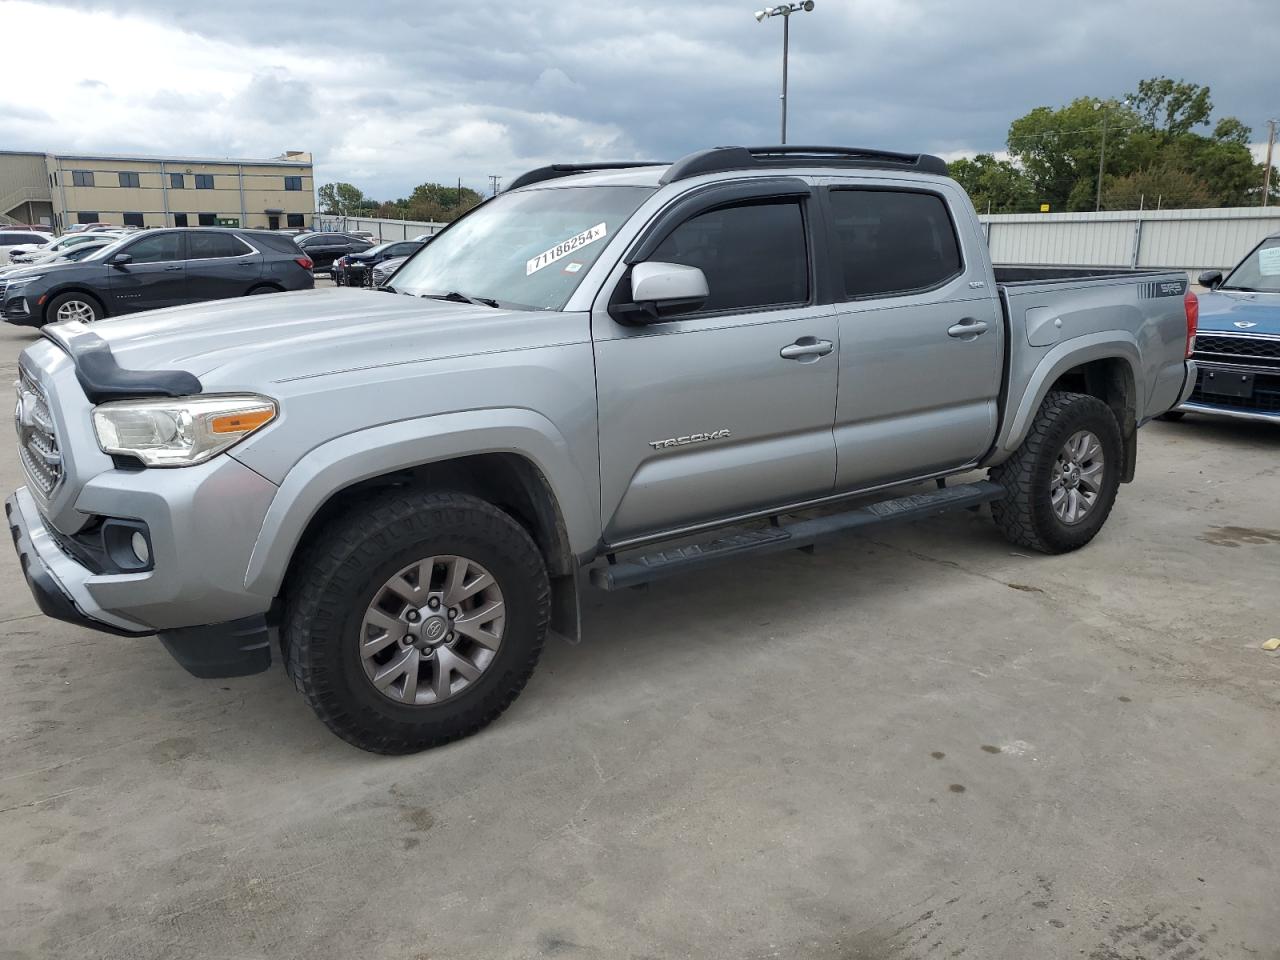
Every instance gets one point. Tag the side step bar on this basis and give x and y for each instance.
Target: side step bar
(635, 571)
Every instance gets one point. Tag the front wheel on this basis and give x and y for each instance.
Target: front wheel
(74, 306)
(1062, 482)
(416, 619)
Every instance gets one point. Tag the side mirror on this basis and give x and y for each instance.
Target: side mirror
(1211, 279)
(120, 259)
(662, 287)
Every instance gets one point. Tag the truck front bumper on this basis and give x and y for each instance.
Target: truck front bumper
(60, 587)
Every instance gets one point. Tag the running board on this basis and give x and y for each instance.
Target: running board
(635, 571)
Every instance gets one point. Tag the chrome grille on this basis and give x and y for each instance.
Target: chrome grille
(37, 438)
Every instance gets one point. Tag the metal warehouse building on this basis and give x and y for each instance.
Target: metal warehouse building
(66, 188)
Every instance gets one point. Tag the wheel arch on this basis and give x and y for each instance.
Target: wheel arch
(512, 458)
(1105, 368)
(83, 290)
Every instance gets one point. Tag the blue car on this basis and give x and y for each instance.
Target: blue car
(1238, 342)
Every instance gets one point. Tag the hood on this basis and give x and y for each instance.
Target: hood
(249, 342)
(19, 270)
(1225, 311)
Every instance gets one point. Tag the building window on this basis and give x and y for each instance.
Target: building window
(87, 216)
(132, 219)
(204, 181)
(293, 183)
(208, 219)
(179, 219)
(129, 180)
(82, 178)
(295, 220)
(176, 181)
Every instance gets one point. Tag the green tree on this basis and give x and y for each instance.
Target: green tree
(1165, 186)
(1150, 140)
(1059, 148)
(1172, 107)
(344, 200)
(994, 186)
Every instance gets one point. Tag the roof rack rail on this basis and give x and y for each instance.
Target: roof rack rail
(719, 159)
(557, 170)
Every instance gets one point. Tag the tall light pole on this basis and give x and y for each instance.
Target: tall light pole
(1266, 177)
(784, 11)
(1102, 154)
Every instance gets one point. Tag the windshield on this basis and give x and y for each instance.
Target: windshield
(1259, 272)
(526, 250)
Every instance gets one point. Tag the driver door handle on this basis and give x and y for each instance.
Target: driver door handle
(806, 349)
(967, 329)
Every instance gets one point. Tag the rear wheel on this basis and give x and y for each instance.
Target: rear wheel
(1062, 482)
(416, 619)
(74, 306)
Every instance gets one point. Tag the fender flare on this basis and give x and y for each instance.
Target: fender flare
(365, 454)
(1063, 357)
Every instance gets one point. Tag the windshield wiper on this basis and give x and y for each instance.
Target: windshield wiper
(453, 296)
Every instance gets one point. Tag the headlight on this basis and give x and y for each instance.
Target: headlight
(21, 282)
(182, 431)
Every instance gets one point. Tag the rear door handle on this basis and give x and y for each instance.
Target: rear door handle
(806, 349)
(967, 329)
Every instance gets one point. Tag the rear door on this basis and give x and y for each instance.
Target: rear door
(154, 278)
(220, 265)
(921, 334)
(726, 408)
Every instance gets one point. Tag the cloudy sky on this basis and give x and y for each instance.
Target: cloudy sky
(391, 94)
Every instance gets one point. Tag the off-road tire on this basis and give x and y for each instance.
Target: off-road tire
(351, 558)
(1025, 515)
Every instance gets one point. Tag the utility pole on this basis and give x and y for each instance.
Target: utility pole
(1266, 178)
(1102, 154)
(495, 181)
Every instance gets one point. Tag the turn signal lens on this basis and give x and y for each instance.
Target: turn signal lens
(241, 422)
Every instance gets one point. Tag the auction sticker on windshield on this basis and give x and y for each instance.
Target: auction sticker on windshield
(564, 248)
(1269, 261)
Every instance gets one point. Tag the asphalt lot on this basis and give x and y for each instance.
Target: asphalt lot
(917, 744)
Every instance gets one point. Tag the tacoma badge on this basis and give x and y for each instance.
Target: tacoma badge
(720, 434)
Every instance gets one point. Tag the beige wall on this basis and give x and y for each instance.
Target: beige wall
(22, 180)
(263, 189)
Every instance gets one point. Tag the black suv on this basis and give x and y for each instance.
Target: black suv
(324, 248)
(152, 269)
(354, 269)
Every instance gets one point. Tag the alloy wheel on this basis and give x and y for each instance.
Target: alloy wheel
(431, 630)
(1075, 481)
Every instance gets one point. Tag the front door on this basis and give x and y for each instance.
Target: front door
(921, 335)
(273, 223)
(724, 409)
(154, 277)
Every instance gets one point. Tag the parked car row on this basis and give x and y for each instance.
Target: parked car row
(356, 269)
(30, 252)
(156, 268)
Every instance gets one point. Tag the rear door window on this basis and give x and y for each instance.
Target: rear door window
(212, 246)
(891, 242)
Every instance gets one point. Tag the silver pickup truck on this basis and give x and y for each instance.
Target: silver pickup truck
(609, 374)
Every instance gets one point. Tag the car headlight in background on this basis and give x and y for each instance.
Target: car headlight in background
(181, 431)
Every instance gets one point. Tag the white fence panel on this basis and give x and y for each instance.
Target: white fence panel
(1191, 240)
(382, 229)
